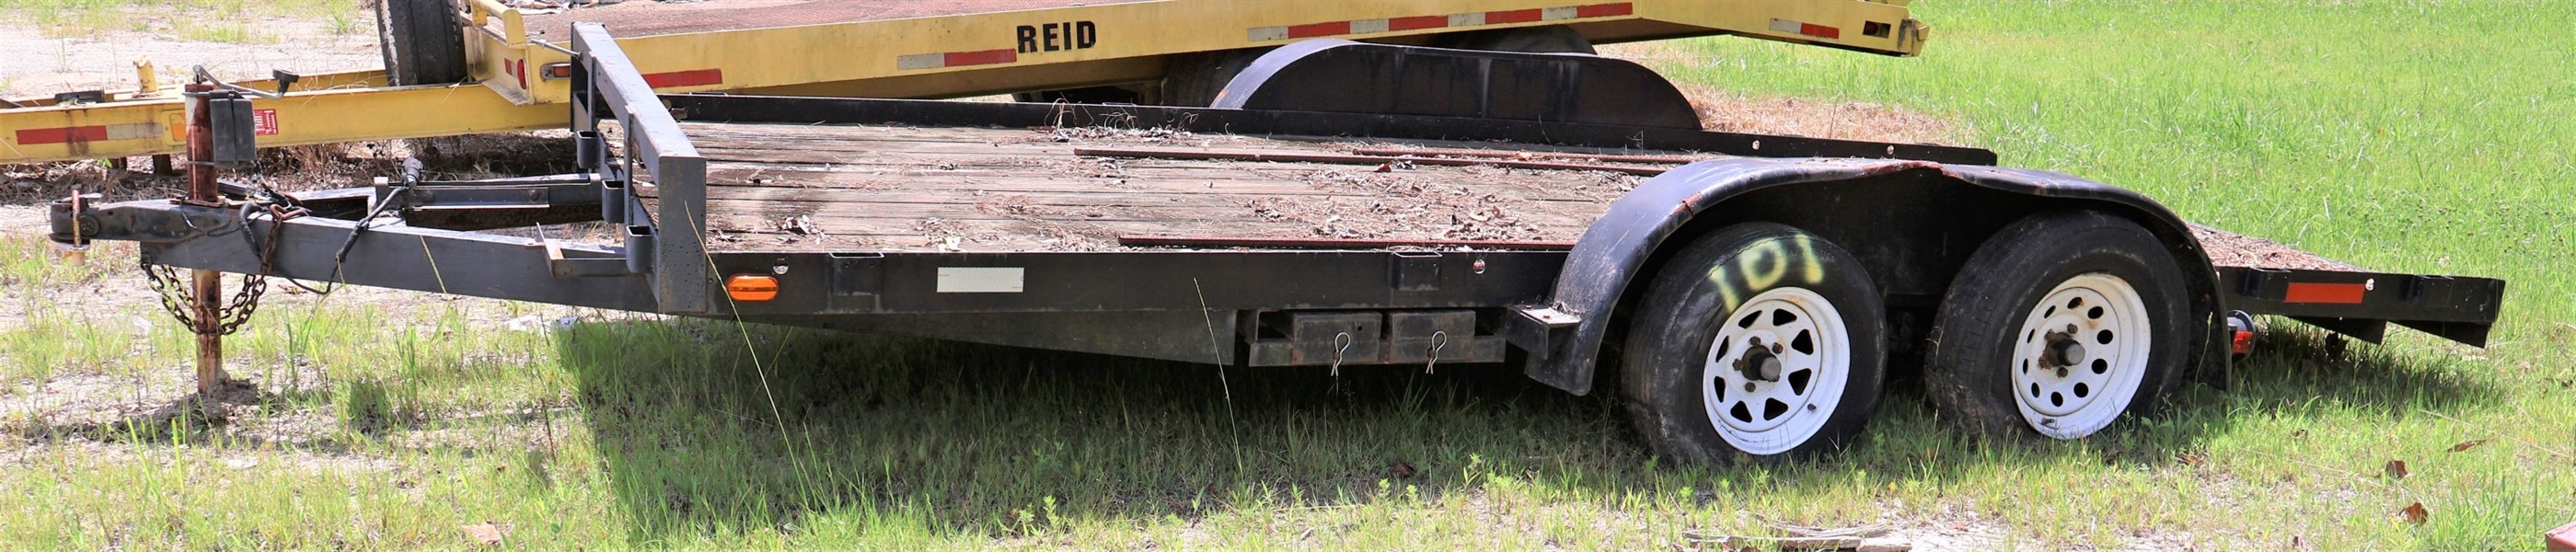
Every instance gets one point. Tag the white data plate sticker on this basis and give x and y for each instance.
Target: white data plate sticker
(980, 279)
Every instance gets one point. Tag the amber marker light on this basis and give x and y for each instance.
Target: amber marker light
(751, 287)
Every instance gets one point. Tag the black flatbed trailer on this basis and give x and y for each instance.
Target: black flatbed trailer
(985, 222)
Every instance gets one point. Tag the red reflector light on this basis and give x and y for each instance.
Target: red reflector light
(558, 70)
(2244, 342)
(751, 287)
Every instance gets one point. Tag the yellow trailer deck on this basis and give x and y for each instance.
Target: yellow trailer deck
(518, 68)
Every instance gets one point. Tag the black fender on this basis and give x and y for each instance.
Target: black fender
(1359, 77)
(1617, 247)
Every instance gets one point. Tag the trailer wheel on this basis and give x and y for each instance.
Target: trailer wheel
(1759, 339)
(2063, 323)
(421, 41)
(1194, 80)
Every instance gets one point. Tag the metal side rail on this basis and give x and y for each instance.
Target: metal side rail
(2362, 304)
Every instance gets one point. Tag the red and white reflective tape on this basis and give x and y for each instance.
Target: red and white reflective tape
(1455, 20)
(1809, 29)
(91, 133)
(676, 79)
(955, 59)
(2331, 293)
(517, 68)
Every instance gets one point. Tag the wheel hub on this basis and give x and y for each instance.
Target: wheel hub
(2062, 351)
(1759, 363)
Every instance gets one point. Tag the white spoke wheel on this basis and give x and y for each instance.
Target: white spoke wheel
(1758, 340)
(2080, 356)
(1774, 374)
(2060, 325)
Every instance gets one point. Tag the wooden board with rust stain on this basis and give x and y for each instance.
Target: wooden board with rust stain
(879, 188)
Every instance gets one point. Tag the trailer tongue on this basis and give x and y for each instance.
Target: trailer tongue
(1757, 284)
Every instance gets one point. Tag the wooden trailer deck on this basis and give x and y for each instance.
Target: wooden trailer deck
(846, 188)
(878, 188)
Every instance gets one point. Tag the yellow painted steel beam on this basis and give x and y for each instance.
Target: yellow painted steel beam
(939, 56)
(892, 51)
(346, 115)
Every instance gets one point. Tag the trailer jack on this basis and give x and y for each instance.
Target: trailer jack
(220, 135)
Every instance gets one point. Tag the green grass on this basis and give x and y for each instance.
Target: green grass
(2429, 137)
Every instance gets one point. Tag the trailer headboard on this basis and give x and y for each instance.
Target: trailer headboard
(606, 85)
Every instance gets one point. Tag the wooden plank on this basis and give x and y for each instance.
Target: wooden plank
(964, 180)
(1546, 187)
(1165, 240)
(770, 211)
(1524, 154)
(913, 188)
(1349, 159)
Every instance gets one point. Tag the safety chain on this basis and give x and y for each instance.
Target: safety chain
(178, 296)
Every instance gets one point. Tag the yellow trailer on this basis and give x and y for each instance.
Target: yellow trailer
(510, 69)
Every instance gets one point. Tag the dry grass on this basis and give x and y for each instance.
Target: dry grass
(1844, 120)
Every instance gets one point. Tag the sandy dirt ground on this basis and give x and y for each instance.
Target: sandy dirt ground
(38, 65)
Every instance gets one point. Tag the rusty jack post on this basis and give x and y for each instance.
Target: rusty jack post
(208, 286)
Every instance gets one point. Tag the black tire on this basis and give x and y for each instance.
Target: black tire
(1194, 80)
(421, 41)
(1552, 39)
(1991, 321)
(1721, 286)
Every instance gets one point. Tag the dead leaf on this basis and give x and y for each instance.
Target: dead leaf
(2191, 458)
(2397, 469)
(1403, 470)
(2415, 514)
(2466, 445)
(487, 533)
